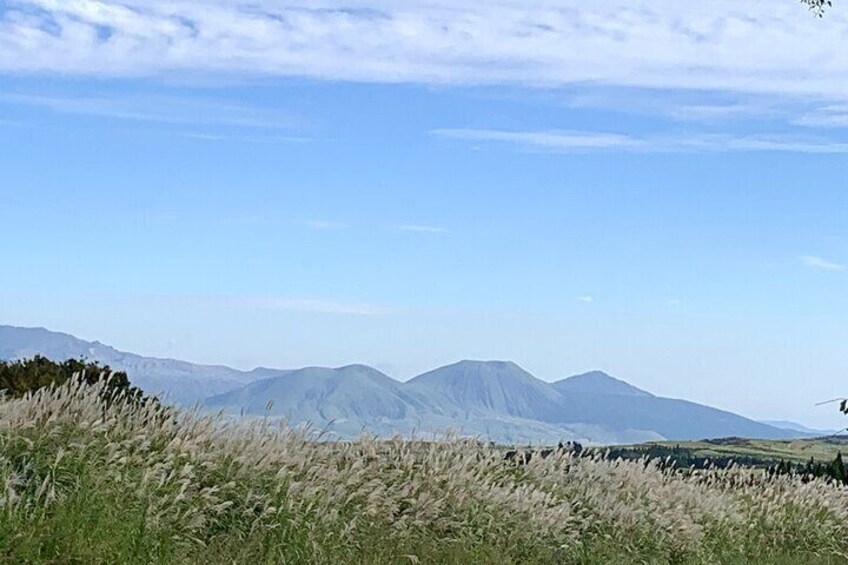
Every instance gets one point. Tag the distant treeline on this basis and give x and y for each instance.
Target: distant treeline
(834, 471)
(686, 458)
(18, 378)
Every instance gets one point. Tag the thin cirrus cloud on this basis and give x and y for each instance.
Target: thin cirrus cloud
(421, 228)
(716, 112)
(268, 140)
(410, 228)
(686, 106)
(761, 46)
(586, 141)
(325, 225)
(316, 306)
(823, 264)
(160, 109)
(556, 141)
(831, 116)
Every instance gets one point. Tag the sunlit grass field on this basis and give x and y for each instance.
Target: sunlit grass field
(83, 482)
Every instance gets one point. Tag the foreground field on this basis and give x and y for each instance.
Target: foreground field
(87, 483)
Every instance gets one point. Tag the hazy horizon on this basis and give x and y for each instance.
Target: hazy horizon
(651, 189)
(825, 423)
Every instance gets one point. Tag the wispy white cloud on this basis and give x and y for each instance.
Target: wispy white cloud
(162, 109)
(273, 139)
(586, 298)
(322, 306)
(328, 306)
(787, 144)
(757, 46)
(714, 112)
(685, 106)
(325, 225)
(585, 141)
(829, 116)
(419, 228)
(819, 263)
(205, 136)
(552, 140)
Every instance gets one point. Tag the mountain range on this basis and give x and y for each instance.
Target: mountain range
(795, 427)
(494, 400)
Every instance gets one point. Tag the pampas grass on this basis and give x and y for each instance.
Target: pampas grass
(83, 482)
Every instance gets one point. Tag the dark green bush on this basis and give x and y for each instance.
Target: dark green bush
(18, 378)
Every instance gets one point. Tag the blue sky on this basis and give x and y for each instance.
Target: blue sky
(650, 189)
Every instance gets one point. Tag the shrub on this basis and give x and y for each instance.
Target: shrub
(18, 378)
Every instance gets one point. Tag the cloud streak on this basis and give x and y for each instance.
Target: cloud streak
(316, 306)
(685, 106)
(267, 140)
(586, 141)
(819, 263)
(831, 116)
(564, 141)
(159, 109)
(760, 46)
(419, 228)
(325, 225)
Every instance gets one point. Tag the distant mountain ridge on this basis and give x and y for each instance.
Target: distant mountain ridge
(796, 427)
(180, 381)
(488, 387)
(349, 399)
(598, 382)
(493, 400)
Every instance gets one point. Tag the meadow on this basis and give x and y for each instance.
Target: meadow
(86, 481)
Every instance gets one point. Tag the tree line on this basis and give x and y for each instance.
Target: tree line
(21, 377)
(834, 471)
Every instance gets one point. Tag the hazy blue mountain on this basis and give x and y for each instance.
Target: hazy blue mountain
(486, 395)
(804, 431)
(345, 400)
(597, 382)
(494, 400)
(178, 381)
(488, 400)
(488, 387)
(597, 398)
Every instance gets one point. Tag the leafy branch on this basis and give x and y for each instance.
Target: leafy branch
(818, 7)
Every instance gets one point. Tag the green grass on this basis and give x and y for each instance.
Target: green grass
(84, 483)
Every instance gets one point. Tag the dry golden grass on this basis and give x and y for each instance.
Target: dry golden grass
(81, 482)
